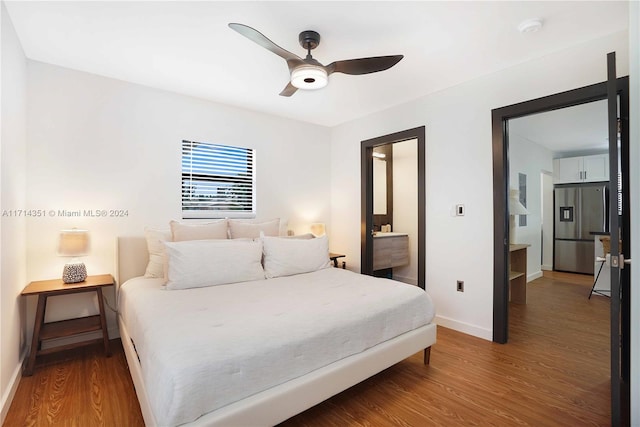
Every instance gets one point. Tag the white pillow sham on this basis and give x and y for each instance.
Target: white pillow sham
(200, 263)
(285, 257)
(181, 231)
(239, 229)
(155, 245)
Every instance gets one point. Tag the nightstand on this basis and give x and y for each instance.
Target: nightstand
(66, 328)
(334, 257)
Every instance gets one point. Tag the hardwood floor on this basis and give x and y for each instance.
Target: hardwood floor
(553, 372)
(78, 388)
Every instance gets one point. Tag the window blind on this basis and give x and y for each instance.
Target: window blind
(619, 193)
(217, 180)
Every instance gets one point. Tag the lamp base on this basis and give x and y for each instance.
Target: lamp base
(74, 272)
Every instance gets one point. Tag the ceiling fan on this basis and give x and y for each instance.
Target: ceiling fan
(308, 73)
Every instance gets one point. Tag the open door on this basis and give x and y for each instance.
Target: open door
(620, 262)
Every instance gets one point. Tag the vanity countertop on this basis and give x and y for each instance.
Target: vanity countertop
(389, 234)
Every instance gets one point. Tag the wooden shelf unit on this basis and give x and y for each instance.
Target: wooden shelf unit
(518, 273)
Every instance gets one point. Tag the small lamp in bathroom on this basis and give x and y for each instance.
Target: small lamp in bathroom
(515, 208)
(74, 243)
(318, 229)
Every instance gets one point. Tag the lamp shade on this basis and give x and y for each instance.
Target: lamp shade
(515, 207)
(73, 243)
(318, 229)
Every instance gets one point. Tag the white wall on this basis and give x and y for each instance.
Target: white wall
(13, 138)
(529, 158)
(459, 170)
(99, 143)
(405, 204)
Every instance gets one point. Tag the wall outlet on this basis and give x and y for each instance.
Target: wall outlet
(460, 285)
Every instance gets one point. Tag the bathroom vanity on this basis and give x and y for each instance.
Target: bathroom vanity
(390, 250)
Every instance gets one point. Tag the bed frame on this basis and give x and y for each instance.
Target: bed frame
(281, 402)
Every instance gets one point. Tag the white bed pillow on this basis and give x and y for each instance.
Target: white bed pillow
(181, 231)
(239, 229)
(200, 263)
(155, 245)
(305, 236)
(285, 257)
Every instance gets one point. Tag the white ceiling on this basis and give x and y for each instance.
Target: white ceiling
(186, 47)
(568, 130)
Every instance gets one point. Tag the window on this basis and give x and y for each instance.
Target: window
(217, 181)
(620, 193)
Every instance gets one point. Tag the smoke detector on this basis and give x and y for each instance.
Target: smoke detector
(530, 26)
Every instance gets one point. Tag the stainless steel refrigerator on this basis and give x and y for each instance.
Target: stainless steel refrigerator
(581, 212)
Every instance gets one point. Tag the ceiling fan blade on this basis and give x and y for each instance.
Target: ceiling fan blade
(288, 90)
(363, 65)
(262, 40)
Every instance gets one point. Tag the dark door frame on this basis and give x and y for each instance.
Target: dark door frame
(500, 143)
(499, 123)
(366, 206)
(620, 323)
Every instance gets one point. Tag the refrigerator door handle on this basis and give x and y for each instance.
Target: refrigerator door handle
(579, 215)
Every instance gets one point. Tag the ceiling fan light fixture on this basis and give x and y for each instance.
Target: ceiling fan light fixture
(309, 77)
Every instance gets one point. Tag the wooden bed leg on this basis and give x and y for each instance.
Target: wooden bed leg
(427, 355)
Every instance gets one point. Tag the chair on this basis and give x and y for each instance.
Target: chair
(606, 249)
(601, 260)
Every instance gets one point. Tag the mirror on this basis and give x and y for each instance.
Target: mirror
(379, 186)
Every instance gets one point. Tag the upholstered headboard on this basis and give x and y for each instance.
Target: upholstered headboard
(132, 257)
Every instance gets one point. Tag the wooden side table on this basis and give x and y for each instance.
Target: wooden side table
(334, 257)
(65, 328)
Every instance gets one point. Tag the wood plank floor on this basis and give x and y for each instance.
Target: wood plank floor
(553, 372)
(79, 388)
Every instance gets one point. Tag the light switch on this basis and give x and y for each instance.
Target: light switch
(460, 210)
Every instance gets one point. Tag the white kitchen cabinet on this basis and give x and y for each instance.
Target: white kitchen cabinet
(581, 169)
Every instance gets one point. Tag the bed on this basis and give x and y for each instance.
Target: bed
(281, 355)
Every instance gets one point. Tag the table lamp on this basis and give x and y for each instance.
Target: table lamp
(515, 208)
(74, 243)
(318, 229)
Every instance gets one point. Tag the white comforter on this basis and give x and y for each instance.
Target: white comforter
(201, 349)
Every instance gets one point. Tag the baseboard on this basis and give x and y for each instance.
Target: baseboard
(9, 394)
(467, 328)
(545, 267)
(534, 276)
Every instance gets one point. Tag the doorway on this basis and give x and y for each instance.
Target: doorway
(500, 119)
(500, 132)
(558, 140)
(367, 221)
